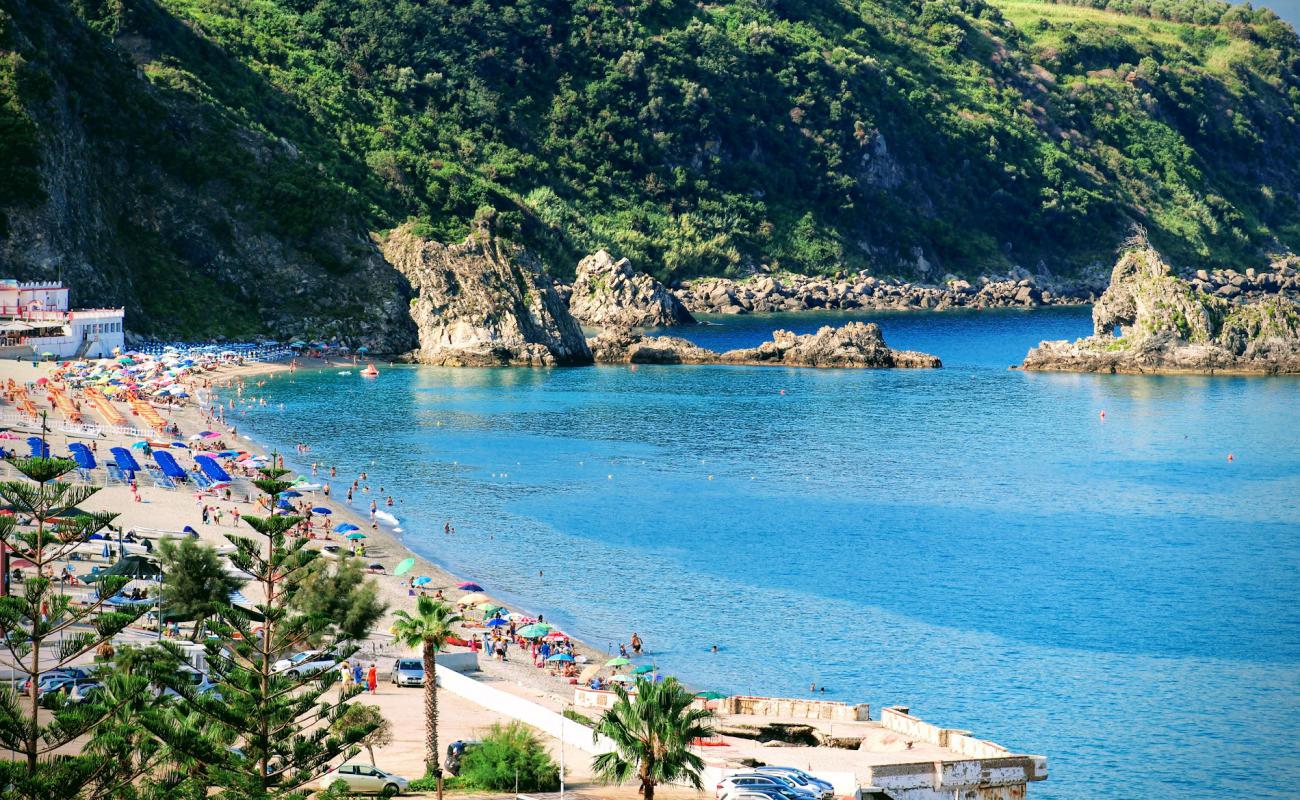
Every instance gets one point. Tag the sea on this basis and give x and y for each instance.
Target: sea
(1102, 569)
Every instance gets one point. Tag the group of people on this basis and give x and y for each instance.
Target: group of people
(355, 675)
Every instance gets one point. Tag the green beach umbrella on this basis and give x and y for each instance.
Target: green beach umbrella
(535, 631)
(617, 662)
(355, 535)
(405, 566)
(489, 609)
(643, 669)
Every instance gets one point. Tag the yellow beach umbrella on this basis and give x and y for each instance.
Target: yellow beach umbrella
(474, 598)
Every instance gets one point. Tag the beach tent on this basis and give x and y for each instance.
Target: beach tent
(125, 461)
(212, 469)
(133, 567)
(167, 463)
(82, 455)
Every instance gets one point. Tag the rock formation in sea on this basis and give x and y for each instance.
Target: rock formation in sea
(484, 302)
(606, 292)
(854, 345)
(1151, 321)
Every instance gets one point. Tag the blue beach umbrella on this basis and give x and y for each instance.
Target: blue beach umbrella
(321, 510)
(344, 527)
(283, 504)
(421, 581)
(497, 622)
(560, 657)
(290, 493)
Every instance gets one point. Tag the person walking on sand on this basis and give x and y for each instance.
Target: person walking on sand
(372, 679)
(357, 675)
(347, 675)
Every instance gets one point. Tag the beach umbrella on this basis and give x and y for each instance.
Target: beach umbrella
(557, 635)
(140, 445)
(711, 695)
(623, 678)
(469, 586)
(134, 567)
(560, 657)
(517, 617)
(344, 527)
(375, 566)
(490, 610)
(535, 631)
(617, 662)
(421, 581)
(283, 504)
(497, 622)
(290, 493)
(355, 535)
(321, 510)
(643, 669)
(20, 563)
(474, 599)
(404, 566)
(363, 349)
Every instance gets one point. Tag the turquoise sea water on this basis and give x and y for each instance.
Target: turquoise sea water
(975, 543)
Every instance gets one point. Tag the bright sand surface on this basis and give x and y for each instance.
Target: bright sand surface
(173, 509)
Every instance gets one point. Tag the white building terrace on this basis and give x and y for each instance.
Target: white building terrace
(36, 320)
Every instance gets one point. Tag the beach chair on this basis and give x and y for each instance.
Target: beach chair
(114, 474)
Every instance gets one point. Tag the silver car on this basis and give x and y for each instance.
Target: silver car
(408, 672)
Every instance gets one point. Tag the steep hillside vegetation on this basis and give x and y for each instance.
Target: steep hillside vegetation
(245, 148)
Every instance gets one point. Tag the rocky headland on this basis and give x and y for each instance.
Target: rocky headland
(606, 292)
(854, 345)
(483, 302)
(1151, 321)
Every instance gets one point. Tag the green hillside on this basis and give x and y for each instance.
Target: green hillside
(912, 138)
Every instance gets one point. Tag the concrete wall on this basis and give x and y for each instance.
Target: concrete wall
(526, 711)
(459, 662)
(795, 708)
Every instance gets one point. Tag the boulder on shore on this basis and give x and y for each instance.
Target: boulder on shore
(855, 345)
(484, 302)
(1151, 321)
(610, 293)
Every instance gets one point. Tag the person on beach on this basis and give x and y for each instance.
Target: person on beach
(636, 643)
(346, 670)
(357, 676)
(372, 679)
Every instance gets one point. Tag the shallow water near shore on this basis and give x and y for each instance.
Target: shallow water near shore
(975, 543)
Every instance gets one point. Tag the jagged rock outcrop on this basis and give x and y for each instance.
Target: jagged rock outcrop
(855, 345)
(626, 346)
(1150, 321)
(606, 292)
(792, 292)
(484, 302)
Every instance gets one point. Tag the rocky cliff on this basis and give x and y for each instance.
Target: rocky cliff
(484, 302)
(855, 345)
(606, 292)
(1150, 321)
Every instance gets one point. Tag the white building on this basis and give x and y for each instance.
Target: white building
(37, 316)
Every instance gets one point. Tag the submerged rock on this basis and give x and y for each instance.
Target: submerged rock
(1150, 321)
(484, 302)
(608, 292)
(855, 345)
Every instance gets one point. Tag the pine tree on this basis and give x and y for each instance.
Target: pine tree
(42, 630)
(282, 727)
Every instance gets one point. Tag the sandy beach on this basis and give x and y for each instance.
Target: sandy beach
(164, 509)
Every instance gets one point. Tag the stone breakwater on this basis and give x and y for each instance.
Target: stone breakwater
(1151, 321)
(790, 292)
(858, 345)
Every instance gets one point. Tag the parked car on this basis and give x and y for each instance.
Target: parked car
(308, 662)
(54, 690)
(760, 781)
(365, 778)
(768, 791)
(77, 673)
(408, 672)
(803, 779)
(199, 680)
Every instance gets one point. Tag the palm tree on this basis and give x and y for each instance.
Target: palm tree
(652, 734)
(429, 628)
